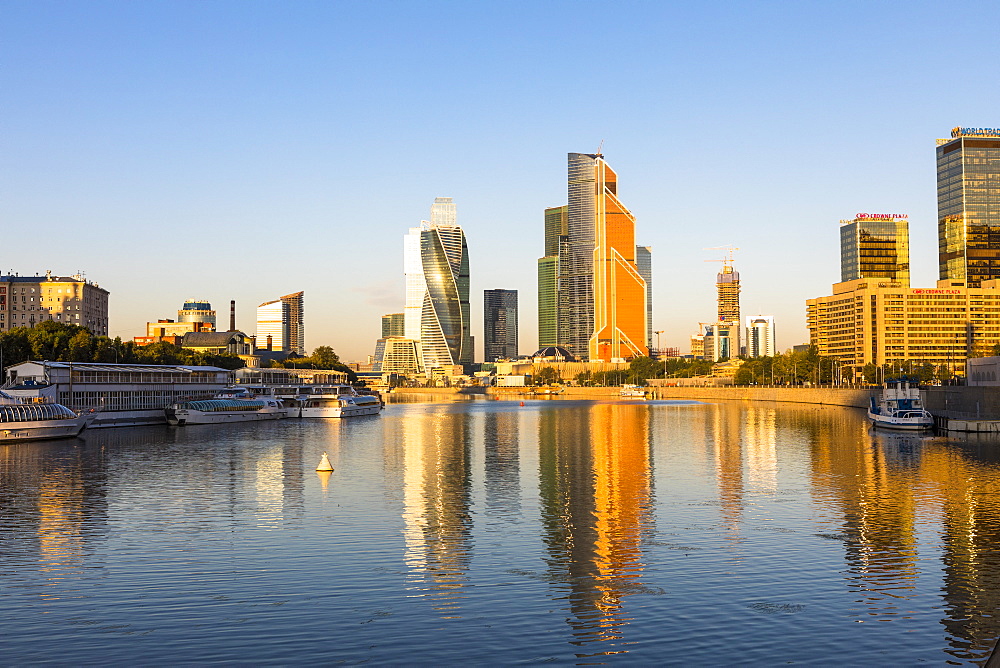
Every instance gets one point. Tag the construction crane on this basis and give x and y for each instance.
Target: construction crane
(730, 252)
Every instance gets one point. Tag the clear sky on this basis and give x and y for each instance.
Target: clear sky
(246, 150)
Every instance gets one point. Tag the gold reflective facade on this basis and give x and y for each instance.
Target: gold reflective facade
(871, 321)
(968, 181)
(875, 248)
(619, 289)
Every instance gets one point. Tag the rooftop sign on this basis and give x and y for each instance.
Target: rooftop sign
(880, 216)
(975, 132)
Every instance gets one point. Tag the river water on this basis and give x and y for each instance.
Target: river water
(573, 532)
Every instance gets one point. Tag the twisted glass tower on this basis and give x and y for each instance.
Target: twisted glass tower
(436, 262)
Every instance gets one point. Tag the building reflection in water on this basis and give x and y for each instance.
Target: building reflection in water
(436, 496)
(501, 443)
(54, 509)
(596, 492)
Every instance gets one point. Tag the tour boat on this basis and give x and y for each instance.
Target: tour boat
(899, 407)
(27, 421)
(632, 392)
(234, 404)
(332, 401)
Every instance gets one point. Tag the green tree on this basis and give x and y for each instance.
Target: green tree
(943, 374)
(325, 358)
(642, 368)
(547, 375)
(744, 376)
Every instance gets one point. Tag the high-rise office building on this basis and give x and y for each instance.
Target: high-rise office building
(556, 226)
(613, 301)
(296, 322)
(199, 311)
(272, 325)
(968, 180)
(436, 264)
(760, 336)
(26, 301)
(500, 324)
(875, 245)
(644, 263)
(393, 325)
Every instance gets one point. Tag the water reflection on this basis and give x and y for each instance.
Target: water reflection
(595, 487)
(436, 497)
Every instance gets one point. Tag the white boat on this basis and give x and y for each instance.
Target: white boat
(233, 404)
(331, 401)
(899, 407)
(632, 392)
(28, 421)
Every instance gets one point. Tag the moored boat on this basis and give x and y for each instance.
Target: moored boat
(899, 407)
(331, 401)
(235, 404)
(28, 421)
(632, 392)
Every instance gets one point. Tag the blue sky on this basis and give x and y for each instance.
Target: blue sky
(245, 150)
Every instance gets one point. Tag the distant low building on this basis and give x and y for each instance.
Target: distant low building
(217, 343)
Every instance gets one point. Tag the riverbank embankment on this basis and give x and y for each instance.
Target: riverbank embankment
(857, 397)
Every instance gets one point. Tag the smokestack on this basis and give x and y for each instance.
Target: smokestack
(232, 315)
(270, 343)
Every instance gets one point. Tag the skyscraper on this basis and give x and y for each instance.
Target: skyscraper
(644, 263)
(272, 325)
(500, 324)
(727, 282)
(604, 317)
(556, 220)
(436, 264)
(875, 245)
(296, 323)
(968, 179)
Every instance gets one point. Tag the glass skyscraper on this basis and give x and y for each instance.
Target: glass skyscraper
(875, 246)
(968, 178)
(644, 262)
(556, 221)
(436, 264)
(500, 324)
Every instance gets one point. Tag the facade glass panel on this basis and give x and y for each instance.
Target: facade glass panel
(875, 248)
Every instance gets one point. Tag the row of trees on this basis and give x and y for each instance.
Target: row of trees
(639, 370)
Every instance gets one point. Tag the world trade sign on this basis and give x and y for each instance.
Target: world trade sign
(975, 132)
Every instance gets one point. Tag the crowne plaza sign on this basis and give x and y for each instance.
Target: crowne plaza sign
(880, 216)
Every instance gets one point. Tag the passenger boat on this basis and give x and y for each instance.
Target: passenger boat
(330, 401)
(632, 392)
(27, 421)
(234, 404)
(899, 407)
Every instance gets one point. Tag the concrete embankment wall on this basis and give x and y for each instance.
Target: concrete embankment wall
(439, 390)
(575, 392)
(830, 396)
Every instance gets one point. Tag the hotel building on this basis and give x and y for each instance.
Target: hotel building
(436, 264)
(875, 245)
(881, 321)
(26, 301)
(500, 324)
(968, 180)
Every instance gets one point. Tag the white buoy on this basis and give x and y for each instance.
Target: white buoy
(324, 464)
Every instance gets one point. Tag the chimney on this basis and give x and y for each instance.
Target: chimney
(270, 343)
(253, 344)
(232, 315)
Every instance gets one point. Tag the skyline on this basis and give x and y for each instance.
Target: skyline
(179, 142)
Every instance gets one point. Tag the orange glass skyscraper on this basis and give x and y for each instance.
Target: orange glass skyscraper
(619, 289)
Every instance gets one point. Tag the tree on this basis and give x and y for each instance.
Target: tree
(744, 376)
(547, 375)
(325, 358)
(642, 368)
(943, 374)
